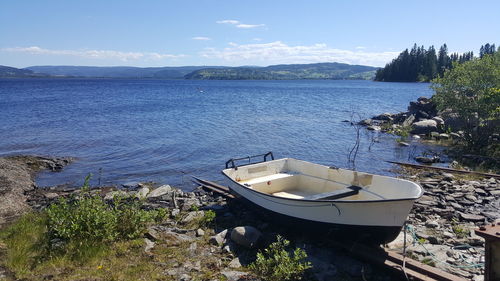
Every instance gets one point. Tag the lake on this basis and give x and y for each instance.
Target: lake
(167, 130)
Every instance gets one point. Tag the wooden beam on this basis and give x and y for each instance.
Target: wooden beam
(444, 169)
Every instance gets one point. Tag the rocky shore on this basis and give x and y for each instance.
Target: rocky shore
(17, 175)
(439, 229)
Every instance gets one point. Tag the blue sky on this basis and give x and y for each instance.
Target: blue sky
(210, 32)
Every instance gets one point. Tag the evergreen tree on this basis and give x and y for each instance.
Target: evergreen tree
(443, 59)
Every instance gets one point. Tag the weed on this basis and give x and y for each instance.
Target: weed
(428, 261)
(277, 263)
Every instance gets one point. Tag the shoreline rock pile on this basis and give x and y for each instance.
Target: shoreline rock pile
(422, 118)
(442, 222)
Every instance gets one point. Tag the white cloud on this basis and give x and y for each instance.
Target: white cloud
(278, 52)
(227, 21)
(239, 24)
(94, 54)
(201, 38)
(242, 25)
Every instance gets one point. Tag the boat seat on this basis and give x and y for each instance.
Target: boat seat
(266, 178)
(336, 194)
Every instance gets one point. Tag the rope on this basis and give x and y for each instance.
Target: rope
(433, 257)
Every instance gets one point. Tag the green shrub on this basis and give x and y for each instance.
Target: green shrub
(277, 263)
(90, 220)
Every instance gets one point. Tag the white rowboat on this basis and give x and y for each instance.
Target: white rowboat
(369, 206)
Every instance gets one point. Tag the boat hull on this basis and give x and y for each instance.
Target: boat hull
(375, 222)
(368, 235)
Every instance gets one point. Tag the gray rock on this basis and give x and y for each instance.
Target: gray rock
(432, 224)
(191, 216)
(427, 160)
(200, 232)
(118, 193)
(448, 176)
(366, 122)
(444, 136)
(149, 245)
(246, 236)
(374, 128)
(424, 127)
(234, 275)
(51, 195)
(438, 120)
(472, 217)
(235, 263)
(455, 136)
(130, 185)
(402, 143)
(162, 190)
(384, 116)
(408, 121)
(142, 193)
(434, 135)
(480, 192)
(175, 212)
(219, 238)
(152, 234)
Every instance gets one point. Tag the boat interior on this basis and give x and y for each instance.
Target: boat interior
(296, 179)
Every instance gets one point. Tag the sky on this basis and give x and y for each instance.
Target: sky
(236, 32)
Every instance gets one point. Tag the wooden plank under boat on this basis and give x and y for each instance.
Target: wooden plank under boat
(354, 204)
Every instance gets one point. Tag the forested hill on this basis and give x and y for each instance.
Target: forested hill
(116, 71)
(287, 72)
(273, 72)
(422, 65)
(7, 71)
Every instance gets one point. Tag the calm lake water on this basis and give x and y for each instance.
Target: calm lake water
(165, 131)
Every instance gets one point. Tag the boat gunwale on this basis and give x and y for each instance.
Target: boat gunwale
(421, 193)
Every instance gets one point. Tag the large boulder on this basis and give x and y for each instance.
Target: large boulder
(162, 190)
(246, 236)
(424, 127)
(423, 107)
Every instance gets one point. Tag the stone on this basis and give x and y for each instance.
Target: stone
(424, 127)
(434, 135)
(234, 275)
(472, 217)
(427, 160)
(432, 224)
(191, 216)
(130, 185)
(374, 128)
(162, 190)
(219, 238)
(51, 195)
(444, 136)
(402, 143)
(200, 232)
(118, 193)
(175, 213)
(142, 193)
(448, 176)
(149, 245)
(438, 120)
(366, 122)
(417, 137)
(235, 263)
(384, 116)
(246, 236)
(455, 136)
(152, 234)
(480, 192)
(408, 121)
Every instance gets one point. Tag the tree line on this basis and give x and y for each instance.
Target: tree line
(422, 65)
